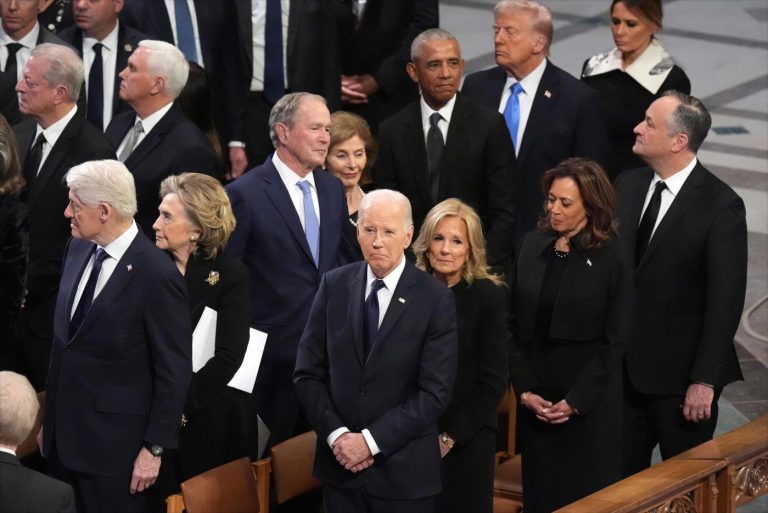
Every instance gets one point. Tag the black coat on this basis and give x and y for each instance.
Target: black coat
(23, 489)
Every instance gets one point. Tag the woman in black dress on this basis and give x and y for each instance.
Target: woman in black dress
(350, 156)
(451, 247)
(14, 241)
(195, 222)
(632, 75)
(570, 287)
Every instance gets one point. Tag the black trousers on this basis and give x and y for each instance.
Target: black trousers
(343, 500)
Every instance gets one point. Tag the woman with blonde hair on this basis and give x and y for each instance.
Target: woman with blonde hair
(451, 247)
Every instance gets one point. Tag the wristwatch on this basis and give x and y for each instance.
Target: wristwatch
(446, 440)
(154, 449)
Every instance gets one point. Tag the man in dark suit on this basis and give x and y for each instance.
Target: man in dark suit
(19, 34)
(686, 232)
(376, 367)
(290, 218)
(311, 60)
(121, 361)
(100, 39)
(555, 115)
(155, 139)
(55, 139)
(466, 153)
(21, 488)
(375, 39)
(206, 31)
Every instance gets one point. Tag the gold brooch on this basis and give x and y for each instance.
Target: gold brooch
(213, 278)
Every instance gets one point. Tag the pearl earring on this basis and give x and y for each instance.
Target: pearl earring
(192, 238)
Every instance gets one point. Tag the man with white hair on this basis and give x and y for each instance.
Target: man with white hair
(55, 139)
(121, 360)
(155, 139)
(375, 368)
(21, 488)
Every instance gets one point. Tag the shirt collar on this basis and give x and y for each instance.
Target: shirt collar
(153, 119)
(675, 182)
(288, 176)
(30, 40)
(650, 69)
(53, 132)
(446, 111)
(531, 81)
(390, 280)
(109, 42)
(8, 450)
(117, 248)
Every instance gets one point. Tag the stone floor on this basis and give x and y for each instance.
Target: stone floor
(723, 47)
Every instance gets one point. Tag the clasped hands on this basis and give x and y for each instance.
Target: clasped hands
(546, 411)
(352, 452)
(356, 89)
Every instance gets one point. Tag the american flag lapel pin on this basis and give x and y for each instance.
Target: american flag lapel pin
(129, 267)
(589, 262)
(547, 94)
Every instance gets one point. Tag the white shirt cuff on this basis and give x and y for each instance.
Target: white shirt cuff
(371, 443)
(236, 144)
(335, 434)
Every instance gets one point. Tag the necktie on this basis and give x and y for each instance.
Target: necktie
(645, 230)
(512, 111)
(10, 63)
(184, 31)
(131, 140)
(96, 89)
(435, 146)
(87, 297)
(32, 162)
(371, 317)
(311, 224)
(274, 87)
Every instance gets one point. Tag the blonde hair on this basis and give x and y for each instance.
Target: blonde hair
(477, 265)
(207, 206)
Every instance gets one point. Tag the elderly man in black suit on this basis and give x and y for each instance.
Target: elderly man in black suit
(121, 361)
(376, 367)
(105, 45)
(55, 139)
(20, 32)
(687, 234)
(551, 115)
(21, 488)
(155, 139)
(446, 145)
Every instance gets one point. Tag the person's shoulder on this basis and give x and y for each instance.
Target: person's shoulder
(46, 486)
(393, 124)
(485, 75)
(251, 178)
(231, 269)
(68, 34)
(487, 292)
(477, 109)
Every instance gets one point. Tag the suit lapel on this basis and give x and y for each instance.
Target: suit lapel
(70, 281)
(401, 298)
(458, 131)
(153, 139)
(56, 155)
(495, 87)
(355, 314)
(413, 141)
(328, 254)
(544, 99)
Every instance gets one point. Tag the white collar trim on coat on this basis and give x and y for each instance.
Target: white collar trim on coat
(650, 70)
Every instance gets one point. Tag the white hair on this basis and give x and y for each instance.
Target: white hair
(65, 67)
(387, 196)
(166, 60)
(104, 181)
(18, 408)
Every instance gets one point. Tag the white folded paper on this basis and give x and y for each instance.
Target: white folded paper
(204, 346)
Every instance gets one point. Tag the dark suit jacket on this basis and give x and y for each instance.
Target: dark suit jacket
(478, 168)
(124, 374)
(270, 241)
(127, 41)
(222, 55)
(46, 200)
(9, 100)
(397, 394)
(23, 489)
(175, 145)
(690, 284)
(312, 49)
(565, 121)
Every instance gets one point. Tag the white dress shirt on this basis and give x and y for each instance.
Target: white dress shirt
(27, 43)
(674, 183)
(52, 134)
(258, 24)
(109, 65)
(530, 85)
(445, 112)
(291, 180)
(147, 124)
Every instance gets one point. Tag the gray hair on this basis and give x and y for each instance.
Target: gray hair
(65, 67)
(166, 60)
(284, 112)
(434, 34)
(690, 117)
(104, 181)
(18, 408)
(541, 17)
(387, 196)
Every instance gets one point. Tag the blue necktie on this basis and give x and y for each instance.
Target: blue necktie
(274, 87)
(311, 224)
(371, 317)
(184, 31)
(512, 111)
(87, 297)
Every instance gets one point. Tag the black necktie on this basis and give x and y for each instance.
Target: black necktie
(371, 317)
(645, 229)
(87, 297)
(435, 146)
(10, 63)
(32, 161)
(274, 87)
(96, 89)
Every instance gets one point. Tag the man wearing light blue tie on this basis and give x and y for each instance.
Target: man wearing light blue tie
(290, 217)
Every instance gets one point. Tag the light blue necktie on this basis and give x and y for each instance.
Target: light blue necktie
(512, 111)
(311, 224)
(184, 31)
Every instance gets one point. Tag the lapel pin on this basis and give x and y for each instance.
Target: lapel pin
(589, 262)
(129, 268)
(127, 47)
(213, 278)
(547, 94)
(401, 300)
